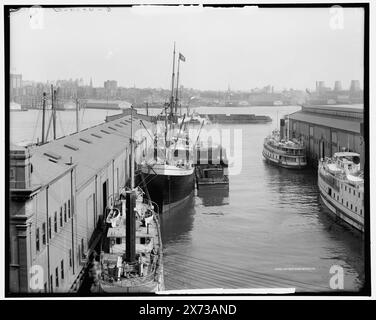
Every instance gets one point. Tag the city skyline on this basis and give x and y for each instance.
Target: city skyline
(135, 47)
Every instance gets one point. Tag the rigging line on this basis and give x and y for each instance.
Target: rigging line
(61, 124)
(146, 130)
(82, 114)
(150, 180)
(36, 125)
(49, 125)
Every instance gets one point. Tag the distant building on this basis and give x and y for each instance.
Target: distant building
(15, 81)
(327, 129)
(355, 85)
(324, 95)
(110, 85)
(337, 86)
(15, 86)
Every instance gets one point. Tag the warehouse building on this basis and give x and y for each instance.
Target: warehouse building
(58, 195)
(327, 129)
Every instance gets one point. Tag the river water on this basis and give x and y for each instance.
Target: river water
(270, 229)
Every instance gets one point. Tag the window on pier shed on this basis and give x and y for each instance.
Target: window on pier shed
(49, 228)
(62, 269)
(44, 233)
(37, 239)
(55, 222)
(57, 276)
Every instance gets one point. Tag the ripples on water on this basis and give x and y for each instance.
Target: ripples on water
(270, 230)
(270, 221)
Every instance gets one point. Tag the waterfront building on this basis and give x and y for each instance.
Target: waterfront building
(326, 130)
(15, 82)
(58, 195)
(325, 95)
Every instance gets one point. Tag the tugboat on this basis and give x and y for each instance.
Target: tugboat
(131, 257)
(341, 185)
(169, 172)
(282, 152)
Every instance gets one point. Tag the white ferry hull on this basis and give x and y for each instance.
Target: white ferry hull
(339, 210)
(284, 164)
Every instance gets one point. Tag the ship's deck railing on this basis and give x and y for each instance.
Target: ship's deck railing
(278, 149)
(340, 175)
(135, 280)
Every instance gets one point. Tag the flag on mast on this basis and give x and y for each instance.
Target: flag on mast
(181, 57)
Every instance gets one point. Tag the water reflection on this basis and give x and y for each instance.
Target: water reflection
(177, 223)
(213, 197)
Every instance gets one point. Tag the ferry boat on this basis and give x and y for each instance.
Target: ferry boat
(341, 185)
(132, 259)
(284, 153)
(169, 173)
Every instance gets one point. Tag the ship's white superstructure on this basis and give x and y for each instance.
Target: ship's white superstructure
(284, 153)
(341, 187)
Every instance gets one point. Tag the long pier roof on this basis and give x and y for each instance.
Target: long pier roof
(352, 125)
(90, 150)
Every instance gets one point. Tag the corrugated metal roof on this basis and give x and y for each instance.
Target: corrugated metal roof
(352, 125)
(89, 158)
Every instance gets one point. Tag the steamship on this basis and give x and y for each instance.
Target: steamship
(341, 185)
(169, 173)
(282, 152)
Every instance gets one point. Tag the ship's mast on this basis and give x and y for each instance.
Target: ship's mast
(132, 155)
(172, 86)
(177, 89)
(53, 95)
(43, 116)
(77, 121)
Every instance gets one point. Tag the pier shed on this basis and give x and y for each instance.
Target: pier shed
(58, 195)
(326, 129)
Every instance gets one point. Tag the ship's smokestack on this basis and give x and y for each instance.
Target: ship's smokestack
(130, 228)
(155, 148)
(282, 129)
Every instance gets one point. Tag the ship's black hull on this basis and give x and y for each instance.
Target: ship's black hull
(166, 190)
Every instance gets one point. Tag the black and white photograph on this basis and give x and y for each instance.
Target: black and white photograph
(187, 150)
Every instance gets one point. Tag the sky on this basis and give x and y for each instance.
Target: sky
(240, 48)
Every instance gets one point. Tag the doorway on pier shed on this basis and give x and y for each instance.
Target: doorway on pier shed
(322, 149)
(105, 196)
